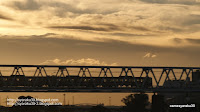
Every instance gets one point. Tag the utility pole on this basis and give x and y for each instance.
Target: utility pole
(73, 100)
(7, 101)
(110, 101)
(64, 100)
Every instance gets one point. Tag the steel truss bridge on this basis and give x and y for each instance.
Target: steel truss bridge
(98, 79)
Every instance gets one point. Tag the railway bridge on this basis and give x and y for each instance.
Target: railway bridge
(61, 78)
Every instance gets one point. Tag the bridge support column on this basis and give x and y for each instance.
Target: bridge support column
(62, 77)
(126, 71)
(39, 73)
(85, 70)
(17, 72)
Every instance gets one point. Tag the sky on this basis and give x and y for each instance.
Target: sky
(105, 32)
(99, 32)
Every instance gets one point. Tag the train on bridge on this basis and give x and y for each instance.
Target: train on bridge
(75, 82)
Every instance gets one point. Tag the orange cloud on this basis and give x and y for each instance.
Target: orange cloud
(83, 61)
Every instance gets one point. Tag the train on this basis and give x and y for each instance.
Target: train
(75, 82)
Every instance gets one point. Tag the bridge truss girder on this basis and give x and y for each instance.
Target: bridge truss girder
(99, 84)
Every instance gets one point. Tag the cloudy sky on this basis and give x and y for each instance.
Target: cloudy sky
(100, 32)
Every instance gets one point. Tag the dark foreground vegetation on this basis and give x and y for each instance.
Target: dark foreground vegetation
(133, 103)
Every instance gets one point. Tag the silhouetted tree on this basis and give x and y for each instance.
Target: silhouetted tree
(136, 102)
